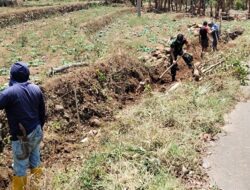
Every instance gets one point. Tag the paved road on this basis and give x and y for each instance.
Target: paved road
(230, 158)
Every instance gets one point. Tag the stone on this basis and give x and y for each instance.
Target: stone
(93, 132)
(95, 122)
(84, 140)
(59, 108)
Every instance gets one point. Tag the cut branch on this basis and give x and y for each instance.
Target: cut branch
(54, 71)
(212, 67)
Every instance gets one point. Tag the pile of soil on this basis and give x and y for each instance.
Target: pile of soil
(160, 55)
(38, 13)
(82, 100)
(97, 90)
(231, 34)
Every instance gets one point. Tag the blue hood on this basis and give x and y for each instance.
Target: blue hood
(19, 73)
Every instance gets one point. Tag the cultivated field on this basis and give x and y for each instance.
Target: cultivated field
(103, 130)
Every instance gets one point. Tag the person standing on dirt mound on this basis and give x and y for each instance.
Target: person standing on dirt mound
(203, 36)
(177, 50)
(25, 110)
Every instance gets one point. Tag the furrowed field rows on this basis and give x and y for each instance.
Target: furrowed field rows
(20, 14)
(33, 5)
(30, 5)
(55, 41)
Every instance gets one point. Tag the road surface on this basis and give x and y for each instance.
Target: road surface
(229, 163)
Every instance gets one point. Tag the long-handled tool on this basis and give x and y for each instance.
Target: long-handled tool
(1, 139)
(169, 67)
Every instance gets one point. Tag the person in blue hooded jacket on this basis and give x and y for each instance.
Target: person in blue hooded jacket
(25, 109)
(215, 34)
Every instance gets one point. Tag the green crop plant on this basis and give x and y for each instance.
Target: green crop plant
(101, 76)
(143, 48)
(4, 71)
(36, 62)
(23, 40)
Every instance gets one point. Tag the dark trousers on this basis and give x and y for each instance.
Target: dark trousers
(204, 44)
(215, 40)
(174, 68)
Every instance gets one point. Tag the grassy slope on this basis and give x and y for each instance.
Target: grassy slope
(157, 143)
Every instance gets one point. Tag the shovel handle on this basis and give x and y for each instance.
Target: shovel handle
(166, 70)
(170, 66)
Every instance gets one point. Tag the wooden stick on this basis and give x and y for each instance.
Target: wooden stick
(166, 70)
(77, 108)
(170, 66)
(65, 67)
(212, 66)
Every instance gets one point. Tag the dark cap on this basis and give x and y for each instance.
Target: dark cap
(180, 37)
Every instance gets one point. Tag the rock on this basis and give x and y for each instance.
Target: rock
(84, 140)
(144, 58)
(93, 132)
(160, 48)
(184, 170)
(95, 122)
(167, 50)
(141, 58)
(156, 53)
(207, 137)
(147, 57)
(206, 165)
(66, 115)
(159, 56)
(159, 61)
(59, 108)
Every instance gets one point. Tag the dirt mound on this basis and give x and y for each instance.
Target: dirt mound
(38, 13)
(95, 92)
(83, 99)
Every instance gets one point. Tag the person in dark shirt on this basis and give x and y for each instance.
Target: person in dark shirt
(25, 109)
(175, 51)
(203, 36)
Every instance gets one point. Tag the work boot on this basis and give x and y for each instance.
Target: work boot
(19, 182)
(36, 174)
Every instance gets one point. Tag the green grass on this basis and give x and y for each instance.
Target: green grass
(58, 40)
(159, 138)
(157, 143)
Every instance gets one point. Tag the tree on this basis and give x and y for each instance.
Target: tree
(248, 9)
(9, 3)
